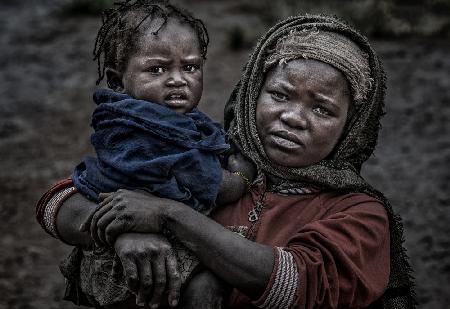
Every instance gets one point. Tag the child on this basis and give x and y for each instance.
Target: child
(148, 132)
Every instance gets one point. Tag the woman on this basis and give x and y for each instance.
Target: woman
(307, 112)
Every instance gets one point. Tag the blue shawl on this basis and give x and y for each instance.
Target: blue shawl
(144, 145)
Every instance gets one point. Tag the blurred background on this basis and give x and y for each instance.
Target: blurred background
(47, 78)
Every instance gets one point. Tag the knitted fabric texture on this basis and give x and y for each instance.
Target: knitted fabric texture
(340, 170)
(328, 47)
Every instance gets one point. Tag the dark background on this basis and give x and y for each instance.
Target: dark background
(47, 78)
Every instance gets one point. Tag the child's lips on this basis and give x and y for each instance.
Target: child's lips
(176, 99)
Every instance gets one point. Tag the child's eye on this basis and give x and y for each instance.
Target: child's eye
(191, 68)
(322, 111)
(278, 96)
(156, 70)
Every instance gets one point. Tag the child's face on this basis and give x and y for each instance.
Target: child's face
(301, 112)
(166, 68)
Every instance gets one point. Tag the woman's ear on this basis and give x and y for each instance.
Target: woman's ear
(114, 80)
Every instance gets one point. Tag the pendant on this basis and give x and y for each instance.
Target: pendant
(253, 215)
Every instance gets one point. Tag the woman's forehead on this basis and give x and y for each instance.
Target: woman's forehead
(299, 71)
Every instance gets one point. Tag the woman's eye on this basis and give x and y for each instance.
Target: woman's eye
(322, 111)
(156, 70)
(278, 96)
(191, 68)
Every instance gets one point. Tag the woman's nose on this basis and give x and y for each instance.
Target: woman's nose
(295, 119)
(176, 79)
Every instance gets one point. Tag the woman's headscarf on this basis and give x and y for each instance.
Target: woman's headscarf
(332, 41)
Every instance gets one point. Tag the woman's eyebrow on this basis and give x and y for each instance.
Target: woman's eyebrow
(323, 98)
(283, 85)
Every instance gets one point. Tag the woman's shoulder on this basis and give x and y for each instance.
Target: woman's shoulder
(335, 201)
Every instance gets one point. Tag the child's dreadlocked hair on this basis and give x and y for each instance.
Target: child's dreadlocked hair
(118, 35)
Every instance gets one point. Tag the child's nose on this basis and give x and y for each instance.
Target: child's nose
(176, 79)
(294, 118)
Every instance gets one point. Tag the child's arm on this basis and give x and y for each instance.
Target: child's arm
(236, 179)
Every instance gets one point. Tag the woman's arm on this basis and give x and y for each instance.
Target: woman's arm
(141, 254)
(244, 264)
(72, 213)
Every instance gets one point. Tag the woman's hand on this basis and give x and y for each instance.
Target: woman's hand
(149, 265)
(125, 211)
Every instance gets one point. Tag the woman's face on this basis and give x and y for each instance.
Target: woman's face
(301, 112)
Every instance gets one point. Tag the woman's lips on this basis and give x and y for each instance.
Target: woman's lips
(285, 140)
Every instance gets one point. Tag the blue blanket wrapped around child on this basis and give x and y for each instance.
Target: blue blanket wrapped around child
(140, 144)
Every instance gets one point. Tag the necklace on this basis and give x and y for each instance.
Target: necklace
(255, 213)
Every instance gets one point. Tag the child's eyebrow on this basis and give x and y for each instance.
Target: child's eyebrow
(150, 60)
(190, 59)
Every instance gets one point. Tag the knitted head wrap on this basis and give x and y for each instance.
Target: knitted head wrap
(332, 41)
(329, 47)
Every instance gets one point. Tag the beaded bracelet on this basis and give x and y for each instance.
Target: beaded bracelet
(246, 180)
(52, 208)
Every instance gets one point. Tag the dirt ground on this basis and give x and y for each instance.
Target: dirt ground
(46, 82)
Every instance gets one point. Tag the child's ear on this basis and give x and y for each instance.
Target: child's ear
(114, 79)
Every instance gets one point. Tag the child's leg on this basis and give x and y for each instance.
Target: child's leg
(204, 291)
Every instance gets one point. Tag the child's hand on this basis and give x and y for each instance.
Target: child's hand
(238, 163)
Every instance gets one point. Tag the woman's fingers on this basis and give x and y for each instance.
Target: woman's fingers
(93, 228)
(116, 267)
(103, 195)
(159, 282)
(145, 281)
(119, 225)
(86, 224)
(174, 280)
(107, 200)
(84, 227)
(102, 223)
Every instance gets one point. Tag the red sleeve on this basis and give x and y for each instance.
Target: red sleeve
(343, 260)
(45, 198)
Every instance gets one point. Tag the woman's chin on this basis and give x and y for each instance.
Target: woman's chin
(282, 158)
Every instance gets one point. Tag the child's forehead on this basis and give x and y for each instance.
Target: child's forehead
(170, 28)
(173, 42)
(170, 31)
